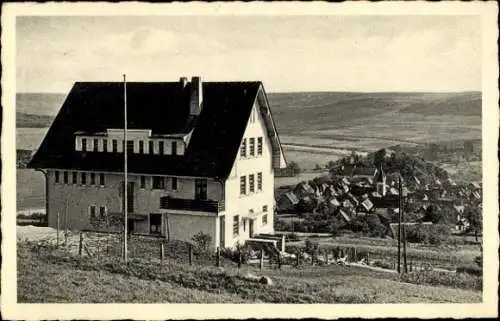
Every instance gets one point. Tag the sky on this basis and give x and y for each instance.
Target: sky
(286, 53)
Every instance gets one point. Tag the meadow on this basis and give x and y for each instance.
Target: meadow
(57, 277)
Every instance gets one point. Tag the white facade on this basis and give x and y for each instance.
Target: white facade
(242, 205)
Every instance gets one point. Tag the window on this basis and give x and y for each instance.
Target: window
(84, 144)
(141, 147)
(74, 178)
(102, 212)
(96, 145)
(252, 146)
(84, 178)
(264, 219)
(174, 183)
(236, 225)
(92, 212)
(243, 185)
(105, 145)
(259, 146)
(174, 148)
(259, 181)
(151, 147)
(243, 148)
(115, 145)
(200, 192)
(130, 146)
(158, 182)
(56, 173)
(101, 179)
(244, 225)
(161, 146)
(65, 177)
(264, 208)
(143, 181)
(92, 178)
(251, 183)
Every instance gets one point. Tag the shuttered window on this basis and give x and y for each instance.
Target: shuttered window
(259, 146)
(236, 225)
(243, 185)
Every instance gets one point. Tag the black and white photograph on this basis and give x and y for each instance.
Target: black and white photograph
(249, 154)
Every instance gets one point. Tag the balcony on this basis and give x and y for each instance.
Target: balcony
(169, 203)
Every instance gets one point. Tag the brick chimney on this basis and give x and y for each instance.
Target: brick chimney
(196, 100)
(183, 81)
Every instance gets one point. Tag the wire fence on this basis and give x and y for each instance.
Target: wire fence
(97, 245)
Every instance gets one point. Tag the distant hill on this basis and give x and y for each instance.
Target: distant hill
(327, 110)
(39, 103)
(33, 121)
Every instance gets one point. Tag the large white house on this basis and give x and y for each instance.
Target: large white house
(201, 157)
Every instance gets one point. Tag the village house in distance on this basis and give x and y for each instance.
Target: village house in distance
(201, 158)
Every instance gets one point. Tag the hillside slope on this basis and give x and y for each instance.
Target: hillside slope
(325, 110)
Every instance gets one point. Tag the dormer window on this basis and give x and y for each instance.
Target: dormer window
(115, 146)
(105, 145)
(141, 147)
(96, 145)
(84, 144)
(161, 147)
(151, 147)
(130, 146)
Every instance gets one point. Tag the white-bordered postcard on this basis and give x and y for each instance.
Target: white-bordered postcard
(249, 160)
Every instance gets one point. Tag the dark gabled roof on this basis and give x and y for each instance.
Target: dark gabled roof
(162, 107)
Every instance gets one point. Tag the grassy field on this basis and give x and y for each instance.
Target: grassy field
(58, 277)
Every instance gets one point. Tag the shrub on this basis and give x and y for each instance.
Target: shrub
(455, 280)
(427, 234)
(311, 246)
(233, 254)
(202, 241)
(382, 264)
(470, 269)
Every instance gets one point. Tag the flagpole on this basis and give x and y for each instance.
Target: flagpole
(125, 170)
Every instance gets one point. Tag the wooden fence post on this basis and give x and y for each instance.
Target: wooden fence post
(190, 254)
(217, 257)
(162, 252)
(57, 235)
(261, 265)
(279, 261)
(297, 259)
(325, 253)
(355, 255)
(80, 244)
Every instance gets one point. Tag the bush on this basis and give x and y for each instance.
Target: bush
(427, 234)
(202, 241)
(233, 254)
(470, 269)
(292, 169)
(455, 280)
(311, 246)
(383, 265)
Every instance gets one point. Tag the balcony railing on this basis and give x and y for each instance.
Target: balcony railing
(169, 203)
